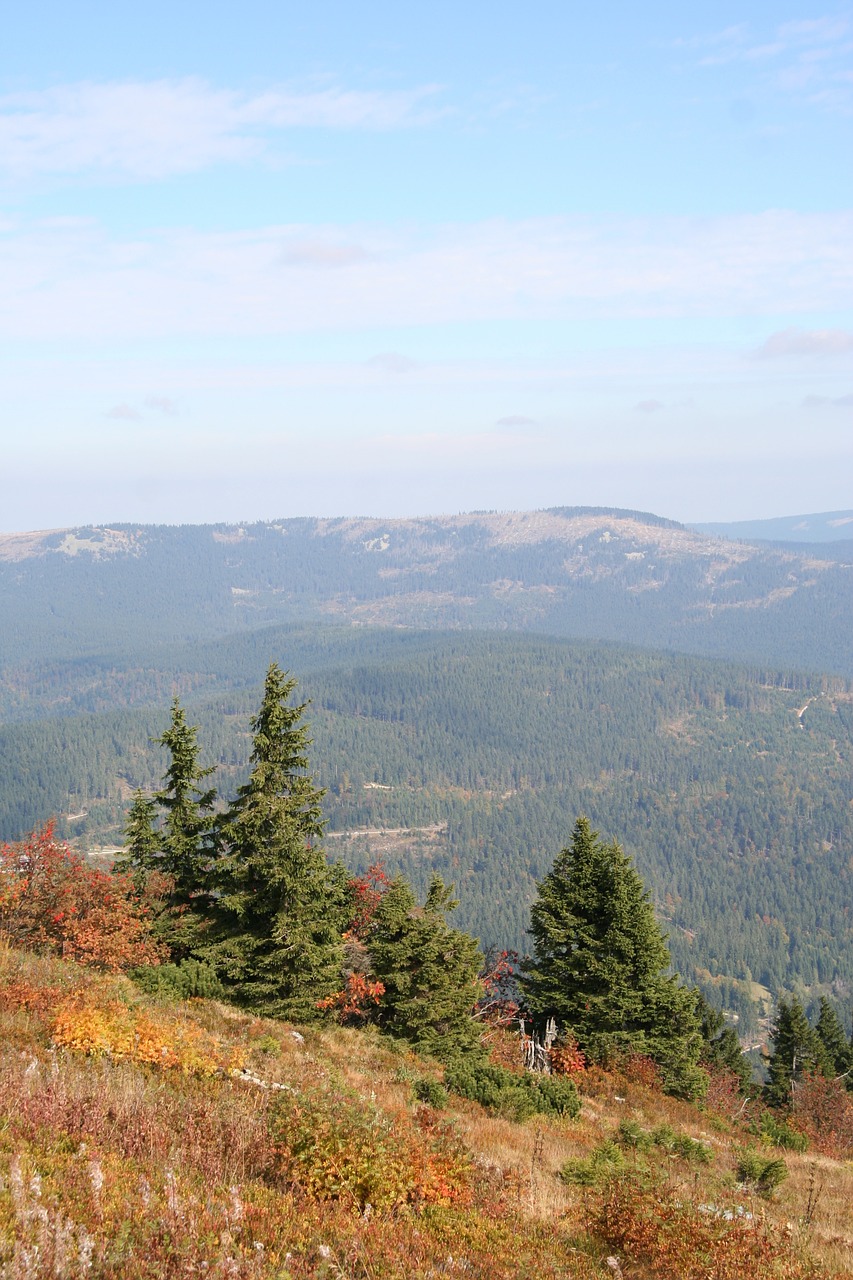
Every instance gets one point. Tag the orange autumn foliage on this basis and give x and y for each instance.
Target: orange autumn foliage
(50, 900)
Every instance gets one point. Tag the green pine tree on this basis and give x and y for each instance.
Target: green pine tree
(429, 971)
(720, 1043)
(797, 1049)
(143, 848)
(279, 906)
(185, 834)
(830, 1032)
(600, 964)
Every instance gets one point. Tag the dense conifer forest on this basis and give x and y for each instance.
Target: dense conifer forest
(470, 755)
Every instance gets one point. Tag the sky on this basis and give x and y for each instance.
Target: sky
(263, 260)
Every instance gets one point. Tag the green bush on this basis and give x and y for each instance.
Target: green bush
(633, 1135)
(606, 1162)
(512, 1096)
(776, 1132)
(430, 1091)
(763, 1173)
(191, 979)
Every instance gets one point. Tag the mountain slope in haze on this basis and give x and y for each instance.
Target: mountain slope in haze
(582, 572)
(824, 526)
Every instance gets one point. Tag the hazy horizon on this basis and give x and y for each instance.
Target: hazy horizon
(259, 262)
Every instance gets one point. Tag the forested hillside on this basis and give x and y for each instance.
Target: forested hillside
(470, 755)
(581, 572)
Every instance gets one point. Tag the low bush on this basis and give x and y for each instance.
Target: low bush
(760, 1172)
(778, 1134)
(189, 980)
(606, 1162)
(515, 1097)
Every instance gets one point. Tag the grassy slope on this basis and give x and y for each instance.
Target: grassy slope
(118, 1165)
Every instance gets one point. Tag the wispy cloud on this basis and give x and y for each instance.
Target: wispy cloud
(161, 404)
(392, 362)
(71, 278)
(649, 406)
(805, 342)
(124, 413)
(322, 253)
(834, 402)
(153, 129)
(808, 58)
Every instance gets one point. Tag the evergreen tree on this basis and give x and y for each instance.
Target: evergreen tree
(600, 963)
(180, 850)
(720, 1043)
(185, 842)
(279, 906)
(797, 1048)
(429, 972)
(143, 850)
(831, 1035)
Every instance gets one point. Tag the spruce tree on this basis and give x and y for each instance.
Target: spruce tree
(278, 905)
(180, 848)
(831, 1035)
(797, 1048)
(429, 971)
(600, 964)
(185, 833)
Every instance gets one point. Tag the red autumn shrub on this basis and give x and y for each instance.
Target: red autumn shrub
(823, 1111)
(50, 900)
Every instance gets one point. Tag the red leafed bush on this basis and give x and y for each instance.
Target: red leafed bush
(354, 1000)
(567, 1059)
(823, 1111)
(50, 900)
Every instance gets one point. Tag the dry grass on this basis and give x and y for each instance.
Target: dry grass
(124, 1169)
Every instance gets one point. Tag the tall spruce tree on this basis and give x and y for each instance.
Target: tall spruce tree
(180, 849)
(278, 906)
(429, 972)
(185, 833)
(600, 964)
(797, 1049)
(830, 1032)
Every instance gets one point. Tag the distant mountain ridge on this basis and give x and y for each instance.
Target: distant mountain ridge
(825, 526)
(582, 572)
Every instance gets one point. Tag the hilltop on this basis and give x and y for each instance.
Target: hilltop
(596, 573)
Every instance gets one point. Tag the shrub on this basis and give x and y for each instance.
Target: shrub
(664, 1137)
(338, 1146)
(191, 979)
(430, 1091)
(512, 1096)
(606, 1162)
(50, 900)
(776, 1132)
(763, 1173)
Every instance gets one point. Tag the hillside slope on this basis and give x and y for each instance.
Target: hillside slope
(154, 1141)
(582, 572)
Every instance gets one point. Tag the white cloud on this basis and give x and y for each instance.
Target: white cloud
(649, 406)
(835, 402)
(161, 404)
(805, 342)
(152, 129)
(392, 362)
(72, 279)
(124, 413)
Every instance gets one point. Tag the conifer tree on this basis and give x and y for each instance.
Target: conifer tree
(278, 908)
(184, 837)
(429, 972)
(600, 965)
(143, 849)
(797, 1049)
(171, 862)
(831, 1035)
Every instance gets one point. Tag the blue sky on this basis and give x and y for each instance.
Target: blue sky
(264, 260)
